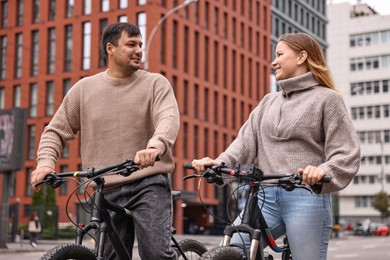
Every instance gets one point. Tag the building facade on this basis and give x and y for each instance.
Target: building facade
(216, 54)
(359, 56)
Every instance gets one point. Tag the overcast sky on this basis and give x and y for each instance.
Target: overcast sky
(381, 6)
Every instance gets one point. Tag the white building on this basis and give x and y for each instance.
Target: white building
(359, 58)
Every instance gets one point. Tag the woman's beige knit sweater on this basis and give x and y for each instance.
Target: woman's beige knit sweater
(115, 118)
(303, 124)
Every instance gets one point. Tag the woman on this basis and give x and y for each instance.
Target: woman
(304, 128)
(34, 228)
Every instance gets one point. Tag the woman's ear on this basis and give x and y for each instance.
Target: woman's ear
(302, 57)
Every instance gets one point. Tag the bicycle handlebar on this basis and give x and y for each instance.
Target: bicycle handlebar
(213, 174)
(124, 168)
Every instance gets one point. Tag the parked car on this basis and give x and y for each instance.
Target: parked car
(382, 230)
(371, 229)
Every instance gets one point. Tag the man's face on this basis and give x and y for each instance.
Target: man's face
(127, 54)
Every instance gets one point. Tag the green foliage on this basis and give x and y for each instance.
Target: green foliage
(44, 203)
(46, 196)
(381, 203)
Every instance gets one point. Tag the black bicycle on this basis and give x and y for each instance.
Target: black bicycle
(100, 220)
(255, 227)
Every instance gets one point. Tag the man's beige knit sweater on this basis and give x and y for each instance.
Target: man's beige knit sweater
(304, 124)
(116, 118)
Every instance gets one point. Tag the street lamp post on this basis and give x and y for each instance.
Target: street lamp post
(154, 30)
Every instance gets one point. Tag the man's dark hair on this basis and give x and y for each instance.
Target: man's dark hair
(114, 31)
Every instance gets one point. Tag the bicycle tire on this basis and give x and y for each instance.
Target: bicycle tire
(222, 253)
(192, 249)
(69, 251)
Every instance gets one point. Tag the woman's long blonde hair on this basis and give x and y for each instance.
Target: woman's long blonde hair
(315, 61)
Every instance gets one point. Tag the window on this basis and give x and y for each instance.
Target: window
(3, 56)
(69, 8)
(87, 7)
(65, 151)
(123, 19)
(49, 98)
(64, 186)
(52, 10)
(17, 96)
(4, 14)
(185, 95)
(2, 98)
(19, 55)
(34, 53)
(51, 53)
(362, 202)
(385, 86)
(86, 45)
(123, 4)
(31, 142)
(386, 111)
(68, 47)
(35, 11)
(102, 60)
(142, 2)
(33, 99)
(66, 86)
(28, 183)
(105, 5)
(141, 22)
(20, 12)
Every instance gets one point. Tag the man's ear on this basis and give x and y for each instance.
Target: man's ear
(302, 57)
(109, 48)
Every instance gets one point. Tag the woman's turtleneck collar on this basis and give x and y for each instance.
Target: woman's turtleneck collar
(297, 83)
(120, 81)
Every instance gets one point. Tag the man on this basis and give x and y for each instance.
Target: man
(122, 113)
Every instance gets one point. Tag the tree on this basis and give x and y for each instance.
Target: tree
(381, 203)
(44, 203)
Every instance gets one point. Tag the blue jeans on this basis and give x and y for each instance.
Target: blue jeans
(306, 217)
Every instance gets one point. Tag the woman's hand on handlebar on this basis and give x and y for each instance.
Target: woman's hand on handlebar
(200, 164)
(38, 175)
(311, 174)
(147, 157)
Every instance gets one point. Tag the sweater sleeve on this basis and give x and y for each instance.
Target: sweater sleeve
(244, 148)
(342, 148)
(166, 117)
(62, 128)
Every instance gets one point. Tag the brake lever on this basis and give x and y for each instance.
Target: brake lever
(52, 180)
(191, 176)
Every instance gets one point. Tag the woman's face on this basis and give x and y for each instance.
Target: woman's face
(287, 62)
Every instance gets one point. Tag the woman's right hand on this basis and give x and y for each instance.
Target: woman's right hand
(200, 164)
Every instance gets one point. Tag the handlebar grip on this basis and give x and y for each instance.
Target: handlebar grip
(158, 158)
(326, 179)
(188, 165)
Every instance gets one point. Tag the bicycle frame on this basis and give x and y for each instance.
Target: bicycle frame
(257, 230)
(101, 220)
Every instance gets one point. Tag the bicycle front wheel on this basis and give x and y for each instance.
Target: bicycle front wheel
(222, 253)
(69, 251)
(191, 248)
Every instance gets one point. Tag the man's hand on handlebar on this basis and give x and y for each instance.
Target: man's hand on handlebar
(38, 175)
(146, 157)
(200, 164)
(311, 174)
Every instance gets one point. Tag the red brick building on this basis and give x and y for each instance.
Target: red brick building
(216, 55)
